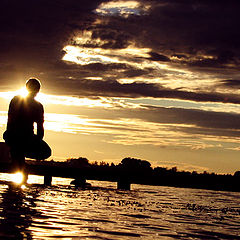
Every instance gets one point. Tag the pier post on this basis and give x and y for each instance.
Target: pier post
(25, 177)
(79, 182)
(123, 184)
(47, 180)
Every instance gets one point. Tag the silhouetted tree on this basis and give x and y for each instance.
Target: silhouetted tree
(145, 164)
(160, 170)
(78, 162)
(95, 163)
(237, 174)
(133, 163)
(174, 169)
(140, 171)
(113, 165)
(102, 163)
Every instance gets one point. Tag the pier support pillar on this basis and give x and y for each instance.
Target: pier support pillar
(79, 182)
(25, 177)
(48, 180)
(123, 184)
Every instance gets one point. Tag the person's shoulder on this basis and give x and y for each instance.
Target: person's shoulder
(38, 104)
(17, 98)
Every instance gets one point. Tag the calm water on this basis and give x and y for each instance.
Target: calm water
(146, 212)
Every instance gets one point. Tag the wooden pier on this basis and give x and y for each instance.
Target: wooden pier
(79, 175)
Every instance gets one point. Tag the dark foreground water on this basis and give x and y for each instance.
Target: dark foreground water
(146, 212)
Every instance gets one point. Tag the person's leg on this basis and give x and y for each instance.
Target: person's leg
(19, 165)
(18, 159)
(37, 149)
(17, 153)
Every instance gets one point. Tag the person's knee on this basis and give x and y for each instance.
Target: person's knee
(38, 149)
(48, 152)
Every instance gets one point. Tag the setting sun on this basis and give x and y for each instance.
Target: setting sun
(17, 177)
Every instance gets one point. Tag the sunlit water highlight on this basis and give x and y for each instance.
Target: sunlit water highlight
(102, 212)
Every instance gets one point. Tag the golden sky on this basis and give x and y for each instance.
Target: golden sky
(155, 80)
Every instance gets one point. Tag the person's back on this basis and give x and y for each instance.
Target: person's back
(22, 114)
(19, 136)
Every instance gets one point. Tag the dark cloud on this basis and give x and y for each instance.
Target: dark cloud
(111, 37)
(180, 56)
(135, 72)
(192, 121)
(231, 83)
(200, 118)
(158, 57)
(99, 67)
(112, 88)
(190, 27)
(33, 35)
(68, 74)
(221, 59)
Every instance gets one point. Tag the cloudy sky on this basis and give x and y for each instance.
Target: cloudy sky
(157, 80)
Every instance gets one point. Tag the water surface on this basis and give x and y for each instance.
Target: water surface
(102, 212)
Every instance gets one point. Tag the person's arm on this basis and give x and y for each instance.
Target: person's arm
(11, 112)
(40, 128)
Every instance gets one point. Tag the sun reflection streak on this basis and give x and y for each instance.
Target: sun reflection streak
(23, 92)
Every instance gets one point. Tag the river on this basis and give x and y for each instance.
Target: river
(61, 211)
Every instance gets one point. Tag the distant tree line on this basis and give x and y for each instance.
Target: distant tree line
(140, 171)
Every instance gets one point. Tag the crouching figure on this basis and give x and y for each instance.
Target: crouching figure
(22, 114)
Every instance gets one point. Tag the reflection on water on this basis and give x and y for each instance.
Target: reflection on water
(17, 211)
(147, 212)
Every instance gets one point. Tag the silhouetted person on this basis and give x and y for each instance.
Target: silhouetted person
(22, 114)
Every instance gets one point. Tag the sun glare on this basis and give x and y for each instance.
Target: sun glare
(10, 94)
(22, 92)
(17, 177)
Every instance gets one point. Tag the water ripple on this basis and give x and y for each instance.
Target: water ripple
(101, 212)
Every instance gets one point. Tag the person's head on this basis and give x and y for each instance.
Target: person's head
(33, 86)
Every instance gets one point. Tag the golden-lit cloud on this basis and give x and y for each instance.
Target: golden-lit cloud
(128, 131)
(122, 8)
(81, 53)
(85, 55)
(133, 131)
(62, 100)
(88, 49)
